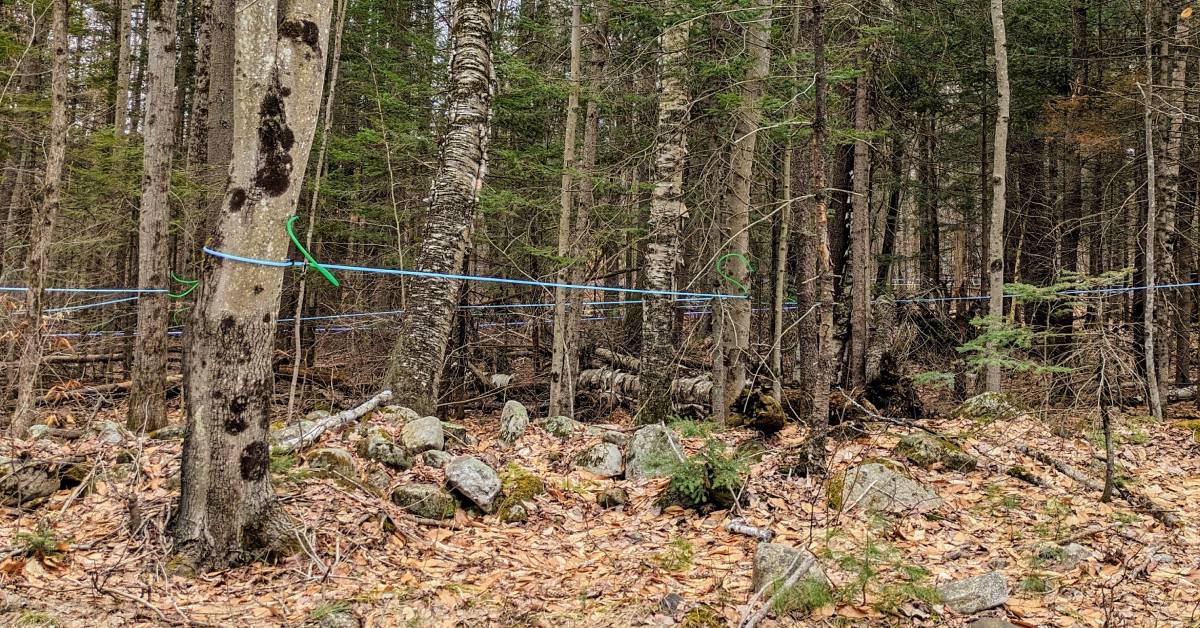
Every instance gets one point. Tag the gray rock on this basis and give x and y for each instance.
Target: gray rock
(377, 445)
(670, 603)
(474, 480)
(516, 513)
(991, 622)
(316, 415)
(927, 450)
(989, 406)
(332, 461)
(560, 426)
(514, 418)
(38, 431)
(874, 486)
(774, 562)
(603, 459)
(293, 431)
(457, 433)
(425, 500)
(972, 595)
(1061, 557)
(399, 414)
(170, 432)
(110, 432)
(339, 619)
(436, 458)
(620, 439)
(613, 498)
(379, 481)
(422, 435)
(22, 481)
(650, 450)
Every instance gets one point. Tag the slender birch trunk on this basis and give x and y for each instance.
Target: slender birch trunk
(735, 335)
(999, 186)
(227, 503)
(416, 362)
(1153, 391)
(147, 395)
(562, 379)
(667, 214)
(41, 229)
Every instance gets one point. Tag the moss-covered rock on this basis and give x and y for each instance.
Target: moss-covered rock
(879, 487)
(331, 461)
(602, 459)
(560, 426)
(520, 487)
(424, 500)
(1192, 426)
(928, 451)
(378, 445)
(988, 407)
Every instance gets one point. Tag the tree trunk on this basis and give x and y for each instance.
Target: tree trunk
(735, 336)
(1148, 313)
(784, 233)
(814, 279)
(860, 228)
(227, 503)
(999, 177)
(930, 240)
(147, 397)
(667, 215)
(219, 149)
(1172, 102)
(566, 317)
(121, 102)
(416, 362)
(41, 229)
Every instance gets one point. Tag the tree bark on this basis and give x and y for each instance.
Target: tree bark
(667, 215)
(1153, 392)
(416, 362)
(999, 176)
(566, 317)
(219, 148)
(41, 229)
(735, 335)
(147, 398)
(121, 102)
(227, 503)
(860, 228)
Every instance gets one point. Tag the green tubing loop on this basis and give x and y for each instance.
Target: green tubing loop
(303, 251)
(721, 269)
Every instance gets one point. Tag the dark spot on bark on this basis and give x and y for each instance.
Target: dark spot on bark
(254, 459)
(237, 199)
(227, 324)
(302, 30)
(236, 423)
(154, 9)
(267, 317)
(275, 139)
(217, 394)
(258, 289)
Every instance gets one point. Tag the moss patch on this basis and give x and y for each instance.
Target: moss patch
(1192, 426)
(519, 486)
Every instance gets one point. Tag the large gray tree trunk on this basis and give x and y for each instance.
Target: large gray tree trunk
(147, 394)
(999, 185)
(227, 502)
(219, 149)
(416, 362)
(735, 328)
(667, 213)
(41, 228)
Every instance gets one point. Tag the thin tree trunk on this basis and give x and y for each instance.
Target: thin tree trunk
(562, 389)
(784, 233)
(219, 149)
(41, 229)
(735, 336)
(326, 129)
(667, 214)
(814, 279)
(1148, 313)
(860, 227)
(147, 395)
(1172, 102)
(416, 362)
(121, 104)
(227, 503)
(999, 177)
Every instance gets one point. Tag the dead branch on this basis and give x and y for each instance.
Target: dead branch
(328, 423)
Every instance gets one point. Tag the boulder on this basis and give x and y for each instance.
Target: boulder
(651, 450)
(424, 500)
(110, 432)
(293, 430)
(559, 426)
(379, 481)
(989, 406)
(603, 459)
(879, 487)
(972, 595)
(927, 450)
(991, 622)
(332, 461)
(773, 563)
(436, 458)
(169, 432)
(38, 431)
(377, 445)
(422, 435)
(614, 497)
(474, 480)
(316, 415)
(514, 418)
(1060, 557)
(620, 439)
(22, 481)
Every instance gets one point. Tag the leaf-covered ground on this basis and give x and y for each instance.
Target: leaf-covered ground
(574, 563)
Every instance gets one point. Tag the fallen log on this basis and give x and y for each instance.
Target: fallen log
(689, 395)
(329, 423)
(58, 393)
(1137, 500)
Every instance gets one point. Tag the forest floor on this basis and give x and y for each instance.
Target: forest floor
(574, 563)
